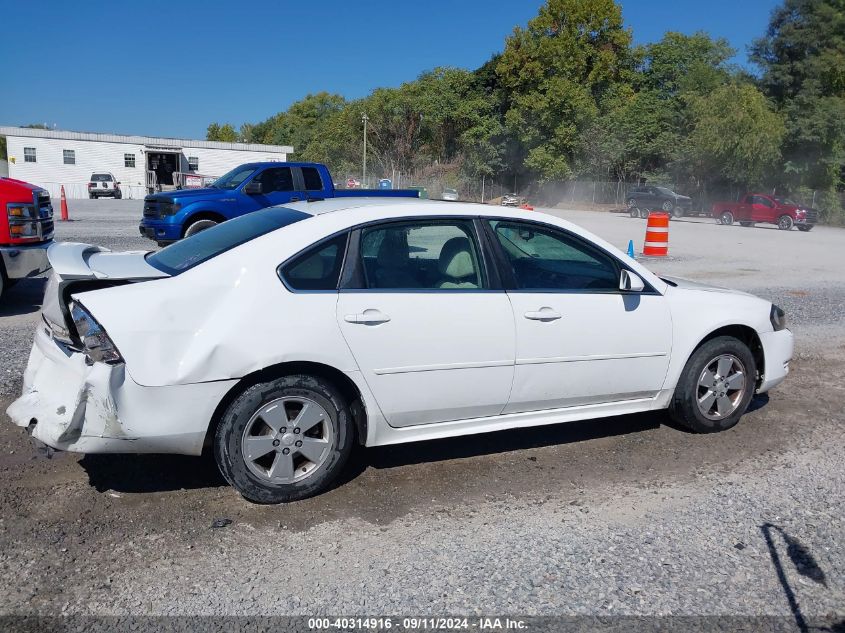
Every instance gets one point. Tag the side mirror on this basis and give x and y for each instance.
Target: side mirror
(630, 282)
(253, 188)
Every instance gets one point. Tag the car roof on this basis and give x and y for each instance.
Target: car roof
(403, 207)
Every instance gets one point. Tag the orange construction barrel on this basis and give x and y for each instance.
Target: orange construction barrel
(657, 235)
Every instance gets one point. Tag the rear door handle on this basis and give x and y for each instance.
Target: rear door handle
(543, 314)
(367, 317)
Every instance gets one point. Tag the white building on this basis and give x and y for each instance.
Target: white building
(52, 158)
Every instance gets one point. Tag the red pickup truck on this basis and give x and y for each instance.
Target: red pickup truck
(761, 207)
(26, 230)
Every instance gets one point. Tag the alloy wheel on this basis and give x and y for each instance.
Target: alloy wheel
(287, 440)
(721, 387)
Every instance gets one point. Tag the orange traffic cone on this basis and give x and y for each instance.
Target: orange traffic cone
(526, 207)
(657, 235)
(64, 206)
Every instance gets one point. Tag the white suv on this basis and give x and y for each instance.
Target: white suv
(104, 184)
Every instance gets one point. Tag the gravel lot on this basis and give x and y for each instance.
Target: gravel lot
(625, 515)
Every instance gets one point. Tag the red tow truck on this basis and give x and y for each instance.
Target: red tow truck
(761, 207)
(26, 230)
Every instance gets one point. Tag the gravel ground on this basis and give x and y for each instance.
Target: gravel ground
(626, 515)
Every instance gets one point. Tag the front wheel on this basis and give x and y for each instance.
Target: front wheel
(806, 227)
(677, 213)
(667, 206)
(727, 218)
(634, 212)
(715, 387)
(785, 223)
(285, 440)
(199, 225)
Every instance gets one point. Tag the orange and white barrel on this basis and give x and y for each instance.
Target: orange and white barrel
(657, 235)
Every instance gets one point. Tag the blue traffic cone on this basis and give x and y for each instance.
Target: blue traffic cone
(631, 249)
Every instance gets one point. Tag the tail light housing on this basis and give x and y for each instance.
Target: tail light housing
(96, 344)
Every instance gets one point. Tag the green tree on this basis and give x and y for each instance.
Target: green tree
(555, 72)
(225, 133)
(802, 56)
(736, 134)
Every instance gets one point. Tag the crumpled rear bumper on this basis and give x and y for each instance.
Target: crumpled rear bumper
(72, 406)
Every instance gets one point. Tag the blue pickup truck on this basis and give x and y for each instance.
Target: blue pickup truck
(170, 216)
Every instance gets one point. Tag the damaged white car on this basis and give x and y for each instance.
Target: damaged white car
(280, 339)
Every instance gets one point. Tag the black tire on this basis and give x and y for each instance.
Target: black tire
(644, 213)
(228, 438)
(199, 225)
(684, 407)
(785, 223)
(117, 195)
(667, 206)
(634, 212)
(91, 196)
(726, 218)
(677, 213)
(805, 227)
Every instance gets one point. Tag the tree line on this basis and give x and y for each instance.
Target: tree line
(571, 97)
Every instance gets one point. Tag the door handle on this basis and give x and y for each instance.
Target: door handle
(367, 317)
(543, 314)
(295, 199)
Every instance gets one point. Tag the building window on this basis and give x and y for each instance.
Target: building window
(129, 160)
(193, 163)
(69, 156)
(29, 155)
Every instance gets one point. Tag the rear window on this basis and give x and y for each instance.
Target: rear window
(312, 179)
(195, 250)
(101, 178)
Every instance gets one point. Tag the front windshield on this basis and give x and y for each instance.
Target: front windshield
(200, 247)
(233, 178)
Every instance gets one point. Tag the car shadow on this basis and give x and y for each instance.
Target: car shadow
(24, 297)
(168, 473)
(508, 441)
(150, 473)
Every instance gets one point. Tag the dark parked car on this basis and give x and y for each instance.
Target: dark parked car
(641, 200)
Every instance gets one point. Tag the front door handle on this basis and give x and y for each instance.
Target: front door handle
(543, 314)
(295, 199)
(367, 317)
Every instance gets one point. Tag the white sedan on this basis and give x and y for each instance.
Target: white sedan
(280, 339)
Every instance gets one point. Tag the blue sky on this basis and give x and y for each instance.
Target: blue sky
(168, 68)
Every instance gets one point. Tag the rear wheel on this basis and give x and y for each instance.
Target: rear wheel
(715, 387)
(117, 195)
(284, 440)
(805, 227)
(199, 225)
(677, 212)
(726, 218)
(785, 223)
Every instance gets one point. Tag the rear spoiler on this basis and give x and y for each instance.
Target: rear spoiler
(73, 261)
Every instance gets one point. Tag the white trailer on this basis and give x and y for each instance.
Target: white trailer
(52, 158)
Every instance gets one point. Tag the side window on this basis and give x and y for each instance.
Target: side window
(129, 160)
(311, 176)
(275, 179)
(193, 163)
(432, 255)
(29, 155)
(69, 156)
(318, 268)
(545, 258)
(765, 202)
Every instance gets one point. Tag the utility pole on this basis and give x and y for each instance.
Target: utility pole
(365, 118)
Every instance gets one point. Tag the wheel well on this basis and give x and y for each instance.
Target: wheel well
(340, 380)
(201, 215)
(747, 335)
